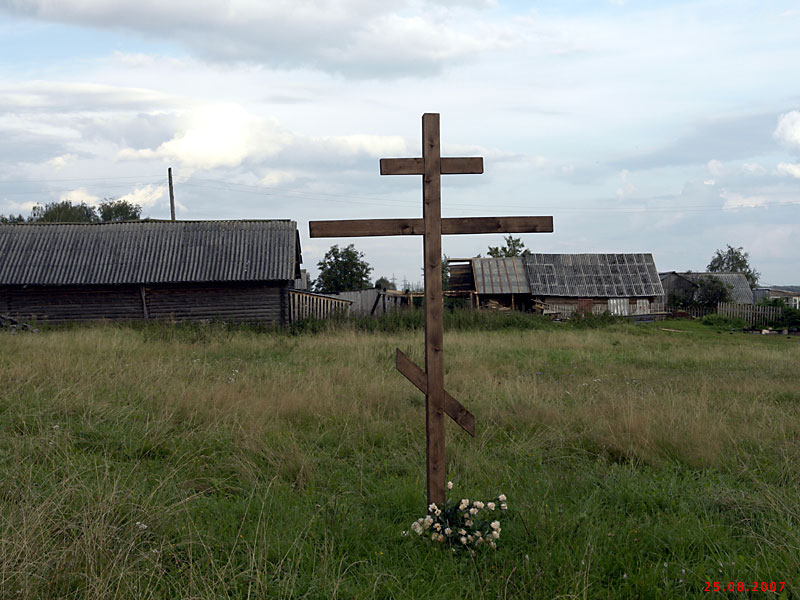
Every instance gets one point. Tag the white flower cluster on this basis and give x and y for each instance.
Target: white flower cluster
(463, 525)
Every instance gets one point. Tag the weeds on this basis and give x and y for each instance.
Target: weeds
(210, 461)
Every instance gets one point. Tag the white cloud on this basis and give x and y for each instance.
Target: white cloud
(59, 162)
(788, 130)
(146, 196)
(753, 169)
(791, 169)
(78, 96)
(734, 200)
(227, 135)
(274, 177)
(220, 135)
(716, 168)
(356, 37)
(626, 187)
(79, 196)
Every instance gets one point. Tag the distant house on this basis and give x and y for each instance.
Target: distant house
(790, 298)
(177, 270)
(621, 284)
(681, 286)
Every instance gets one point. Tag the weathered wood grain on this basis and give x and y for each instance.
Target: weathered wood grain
(453, 408)
(450, 226)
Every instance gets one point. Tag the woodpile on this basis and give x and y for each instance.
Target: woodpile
(12, 324)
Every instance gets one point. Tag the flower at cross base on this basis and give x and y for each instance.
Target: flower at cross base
(502, 497)
(449, 485)
(490, 505)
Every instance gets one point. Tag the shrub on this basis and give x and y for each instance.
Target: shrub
(714, 320)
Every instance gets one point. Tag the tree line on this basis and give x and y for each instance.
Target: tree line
(344, 269)
(108, 211)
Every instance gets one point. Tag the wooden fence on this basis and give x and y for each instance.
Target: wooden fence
(307, 304)
(752, 313)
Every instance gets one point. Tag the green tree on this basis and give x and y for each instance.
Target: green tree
(383, 283)
(734, 260)
(513, 247)
(119, 210)
(342, 270)
(11, 219)
(711, 291)
(63, 212)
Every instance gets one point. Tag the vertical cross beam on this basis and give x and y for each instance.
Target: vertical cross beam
(434, 358)
(431, 382)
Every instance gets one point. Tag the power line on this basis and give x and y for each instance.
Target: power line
(77, 179)
(353, 199)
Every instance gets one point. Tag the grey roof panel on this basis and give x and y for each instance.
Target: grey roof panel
(593, 275)
(148, 252)
(737, 284)
(500, 276)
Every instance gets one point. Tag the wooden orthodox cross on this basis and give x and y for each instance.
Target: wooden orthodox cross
(431, 382)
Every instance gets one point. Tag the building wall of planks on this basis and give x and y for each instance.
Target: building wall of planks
(623, 307)
(303, 305)
(372, 301)
(258, 302)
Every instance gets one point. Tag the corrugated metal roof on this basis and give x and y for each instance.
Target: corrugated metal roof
(500, 276)
(593, 275)
(736, 282)
(148, 252)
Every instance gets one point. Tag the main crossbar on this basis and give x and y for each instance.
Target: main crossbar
(450, 226)
(448, 166)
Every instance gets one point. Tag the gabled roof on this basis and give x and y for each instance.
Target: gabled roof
(593, 275)
(500, 276)
(736, 282)
(144, 252)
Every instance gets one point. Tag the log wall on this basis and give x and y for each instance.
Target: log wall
(258, 302)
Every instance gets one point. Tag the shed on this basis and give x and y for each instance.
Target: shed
(178, 270)
(790, 297)
(681, 286)
(621, 284)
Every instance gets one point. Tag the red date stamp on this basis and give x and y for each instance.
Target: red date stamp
(741, 586)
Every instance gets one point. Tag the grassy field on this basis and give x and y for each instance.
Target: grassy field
(199, 462)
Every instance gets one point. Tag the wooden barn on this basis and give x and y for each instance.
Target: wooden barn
(681, 287)
(621, 284)
(172, 270)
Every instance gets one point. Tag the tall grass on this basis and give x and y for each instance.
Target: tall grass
(205, 462)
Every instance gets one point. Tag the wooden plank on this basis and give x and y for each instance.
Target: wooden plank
(365, 227)
(450, 226)
(455, 165)
(460, 165)
(453, 408)
(473, 225)
(401, 166)
(434, 359)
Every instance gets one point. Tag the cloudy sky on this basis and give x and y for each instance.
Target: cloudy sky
(670, 127)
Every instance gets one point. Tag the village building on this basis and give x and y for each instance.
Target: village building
(564, 284)
(790, 297)
(680, 287)
(170, 270)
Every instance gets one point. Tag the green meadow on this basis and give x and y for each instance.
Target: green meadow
(207, 462)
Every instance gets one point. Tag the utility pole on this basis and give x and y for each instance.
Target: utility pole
(171, 195)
